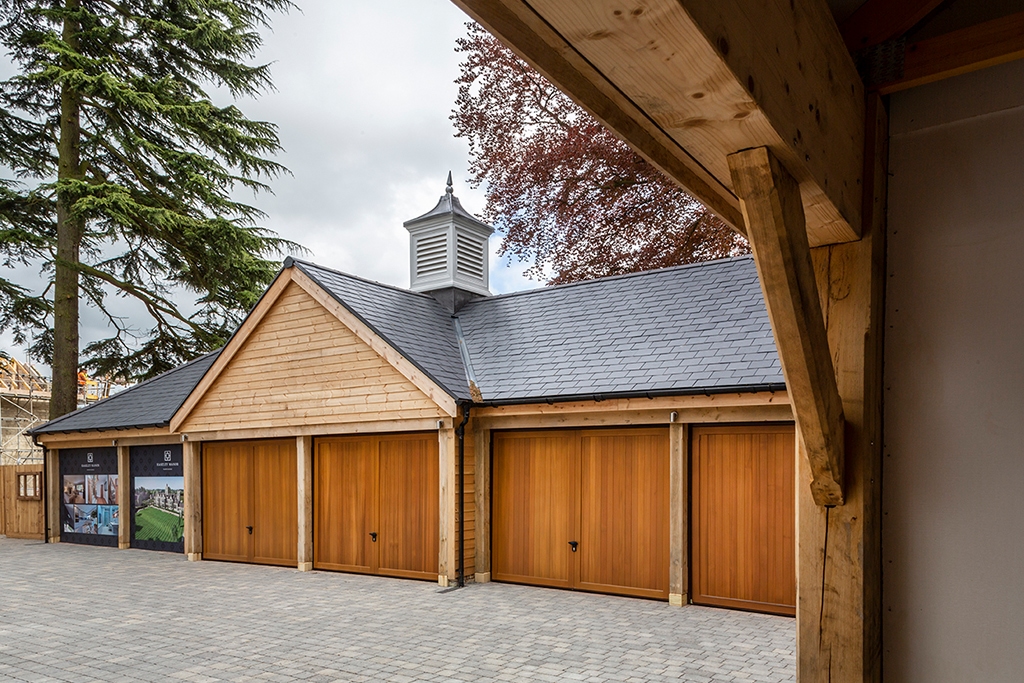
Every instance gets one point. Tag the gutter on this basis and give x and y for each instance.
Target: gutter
(771, 387)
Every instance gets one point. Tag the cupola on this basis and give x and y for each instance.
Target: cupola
(448, 252)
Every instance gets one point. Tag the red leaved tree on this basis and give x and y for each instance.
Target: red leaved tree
(565, 192)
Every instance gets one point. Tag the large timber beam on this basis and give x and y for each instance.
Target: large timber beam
(689, 82)
(770, 199)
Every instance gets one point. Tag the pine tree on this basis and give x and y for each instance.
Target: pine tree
(125, 176)
(564, 191)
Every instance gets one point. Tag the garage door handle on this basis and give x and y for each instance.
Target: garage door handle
(249, 528)
(573, 544)
(373, 536)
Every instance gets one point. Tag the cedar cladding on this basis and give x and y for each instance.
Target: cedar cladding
(302, 366)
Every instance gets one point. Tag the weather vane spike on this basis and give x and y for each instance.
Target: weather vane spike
(449, 189)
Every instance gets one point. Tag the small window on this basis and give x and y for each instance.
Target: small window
(30, 486)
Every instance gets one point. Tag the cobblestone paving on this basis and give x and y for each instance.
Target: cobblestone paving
(83, 614)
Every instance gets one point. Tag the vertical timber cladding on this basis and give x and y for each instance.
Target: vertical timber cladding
(250, 501)
(744, 520)
(89, 507)
(375, 504)
(584, 509)
(158, 497)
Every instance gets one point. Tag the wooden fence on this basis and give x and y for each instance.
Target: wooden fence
(21, 501)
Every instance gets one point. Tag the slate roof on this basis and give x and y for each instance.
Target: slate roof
(148, 404)
(689, 329)
(700, 328)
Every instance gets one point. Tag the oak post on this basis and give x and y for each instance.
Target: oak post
(447, 520)
(482, 483)
(54, 501)
(304, 470)
(124, 507)
(190, 453)
(839, 567)
(772, 209)
(679, 536)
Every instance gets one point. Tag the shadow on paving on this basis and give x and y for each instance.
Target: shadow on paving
(78, 613)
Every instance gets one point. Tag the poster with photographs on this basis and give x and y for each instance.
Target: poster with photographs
(89, 504)
(158, 498)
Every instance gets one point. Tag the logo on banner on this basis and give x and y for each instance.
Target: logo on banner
(88, 457)
(167, 456)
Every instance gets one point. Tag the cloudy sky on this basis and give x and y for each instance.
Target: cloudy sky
(364, 92)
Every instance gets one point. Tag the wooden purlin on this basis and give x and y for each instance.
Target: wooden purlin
(22, 380)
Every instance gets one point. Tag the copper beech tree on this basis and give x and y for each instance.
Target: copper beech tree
(566, 194)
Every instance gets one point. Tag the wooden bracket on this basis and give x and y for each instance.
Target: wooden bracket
(772, 210)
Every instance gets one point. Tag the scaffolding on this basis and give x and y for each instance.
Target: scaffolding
(24, 404)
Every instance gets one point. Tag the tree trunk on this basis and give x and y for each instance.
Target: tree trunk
(64, 392)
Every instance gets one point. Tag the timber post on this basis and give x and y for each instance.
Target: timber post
(192, 466)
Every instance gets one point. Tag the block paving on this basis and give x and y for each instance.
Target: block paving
(85, 614)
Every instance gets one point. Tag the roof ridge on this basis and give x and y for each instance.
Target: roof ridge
(361, 279)
(79, 411)
(608, 278)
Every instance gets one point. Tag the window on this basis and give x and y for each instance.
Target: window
(30, 486)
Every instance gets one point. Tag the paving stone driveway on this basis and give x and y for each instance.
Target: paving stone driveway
(76, 613)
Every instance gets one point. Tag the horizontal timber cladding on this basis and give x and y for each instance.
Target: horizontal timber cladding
(302, 366)
(376, 504)
(744, 521)
(584, 509)
(250, 501)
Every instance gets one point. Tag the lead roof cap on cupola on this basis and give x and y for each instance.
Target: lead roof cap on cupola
(448, 248)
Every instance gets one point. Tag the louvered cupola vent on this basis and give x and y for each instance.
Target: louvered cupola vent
(448, 252)
(431, 255)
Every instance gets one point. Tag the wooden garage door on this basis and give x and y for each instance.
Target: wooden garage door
(250, 502)
(744, 523)
(376, 505)
(583, 509)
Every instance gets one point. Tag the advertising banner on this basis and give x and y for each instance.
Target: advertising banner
(158, 498)
(89, 505)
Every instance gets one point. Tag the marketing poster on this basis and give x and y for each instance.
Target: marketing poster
(89, 504)
(158, 498)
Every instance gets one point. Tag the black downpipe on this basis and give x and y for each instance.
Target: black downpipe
(460, 432)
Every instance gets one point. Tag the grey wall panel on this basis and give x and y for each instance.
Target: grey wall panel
(953, 484)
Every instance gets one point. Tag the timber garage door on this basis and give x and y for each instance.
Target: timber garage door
(744, 523)
(376, 505)
(250, 502)
(586, 509)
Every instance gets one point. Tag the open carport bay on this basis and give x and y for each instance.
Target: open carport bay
(78, 613)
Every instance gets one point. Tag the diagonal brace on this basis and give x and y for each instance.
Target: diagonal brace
(774, 215)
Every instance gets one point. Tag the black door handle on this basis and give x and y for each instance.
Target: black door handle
(373, 536)
(573, 544)
(250, 529)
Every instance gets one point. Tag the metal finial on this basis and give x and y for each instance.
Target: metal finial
(449, 189)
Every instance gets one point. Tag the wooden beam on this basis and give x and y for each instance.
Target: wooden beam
(54, 501)
(434, 391)
(482, 482)
(447, 541)
(725, 414)
(775, 226)
(122, 437)
(668, 403)
(688, 82)
(331, 429)
(839, 605)
(237, 341)
(679, 519)
(124, 505)
(192, 466)
(877, 21)
(304, 465)
(959, 52)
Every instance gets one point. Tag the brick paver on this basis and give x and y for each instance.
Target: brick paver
(83, 614)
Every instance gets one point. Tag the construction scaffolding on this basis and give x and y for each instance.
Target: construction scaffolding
(24, 404)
